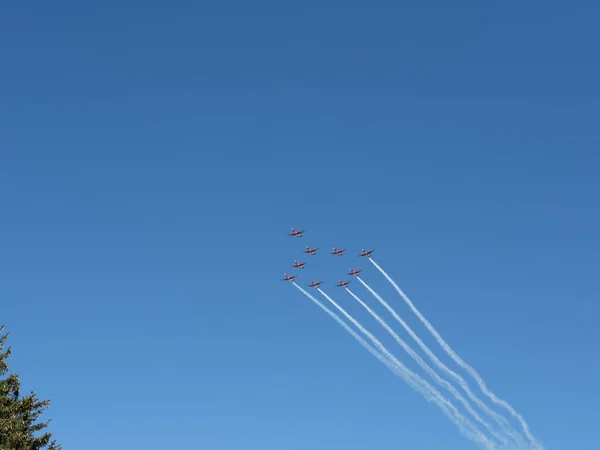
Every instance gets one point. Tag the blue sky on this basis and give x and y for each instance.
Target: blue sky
(153, 158)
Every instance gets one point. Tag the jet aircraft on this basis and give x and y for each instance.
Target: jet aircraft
(366, 253)
(298, 265)
(296, 233)
(315, 285)
(343, 284)
(354, 272)
(312, 251)
(337, 252)
(288, 278)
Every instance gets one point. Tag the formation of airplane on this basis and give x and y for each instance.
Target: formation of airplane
(313, 251)
(296, 233)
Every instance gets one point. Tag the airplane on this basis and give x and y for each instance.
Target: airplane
(289, 278)
(337, 252)
(298, 265)
(344, 284)
(312, 251)
(366, 253)
(296, 233)
(315, 285)
(354, 272)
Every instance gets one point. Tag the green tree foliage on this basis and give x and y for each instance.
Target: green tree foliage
(19, 414)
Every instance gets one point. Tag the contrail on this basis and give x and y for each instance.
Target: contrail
(335, 317)
(459, 420)
(428, 369)
(398, 369)
(459, 361)
(501, 420)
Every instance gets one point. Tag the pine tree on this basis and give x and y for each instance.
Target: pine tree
(19, 414)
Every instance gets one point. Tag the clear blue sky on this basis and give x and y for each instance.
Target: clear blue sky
(154, 157)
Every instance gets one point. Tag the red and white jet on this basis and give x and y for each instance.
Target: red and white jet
(296, 233)
(312, 251)
(366, 253)
(337, 252)
(343, 284)
(298, 265)
(354, 272)
(288, 278)
(315, 285)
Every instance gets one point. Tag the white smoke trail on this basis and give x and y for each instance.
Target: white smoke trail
(459, 361)
(464, 425)
(501, 420)
(412, 379)
(398, 369)
(428, 369)
(335, 317)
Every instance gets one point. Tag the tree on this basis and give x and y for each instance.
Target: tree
(19, 414)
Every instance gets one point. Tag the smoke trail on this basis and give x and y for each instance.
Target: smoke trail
(335, 317)
(501, 420)
(398, 369)
(466, 427)
(428, 369)
(459, 361)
